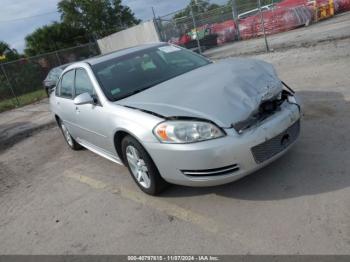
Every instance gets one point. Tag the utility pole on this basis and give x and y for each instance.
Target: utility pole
(235, 17)
(263, 26)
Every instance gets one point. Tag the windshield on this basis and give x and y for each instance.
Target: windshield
(124, 76)
(53, 75)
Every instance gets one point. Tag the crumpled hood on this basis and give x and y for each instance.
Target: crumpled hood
(225, 92)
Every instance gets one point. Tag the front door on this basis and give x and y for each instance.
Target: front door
(90, 118)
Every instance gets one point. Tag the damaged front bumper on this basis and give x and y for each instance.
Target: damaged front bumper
(227, 159)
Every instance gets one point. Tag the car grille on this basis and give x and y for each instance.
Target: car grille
(212, 172)
(268, 149)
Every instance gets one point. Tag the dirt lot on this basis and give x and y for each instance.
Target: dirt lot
(56, 201)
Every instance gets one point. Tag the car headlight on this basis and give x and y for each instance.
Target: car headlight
(177, 132)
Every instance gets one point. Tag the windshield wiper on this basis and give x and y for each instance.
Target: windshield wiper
(134, 92)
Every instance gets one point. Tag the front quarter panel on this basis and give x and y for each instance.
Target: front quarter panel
(132, 121)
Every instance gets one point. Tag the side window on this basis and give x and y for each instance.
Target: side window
(83, 83)
(66, 85)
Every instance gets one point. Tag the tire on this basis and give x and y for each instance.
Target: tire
(68, 138)
(145, 173)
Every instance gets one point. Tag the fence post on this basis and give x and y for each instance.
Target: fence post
(156, 25)
(155, 22)
(316, 11)
(263, 26)
(97, 47)
(58, 58)
(235, 18)
(9, 83)
(195, 30)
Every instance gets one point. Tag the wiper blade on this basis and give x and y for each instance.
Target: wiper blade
(133, 93)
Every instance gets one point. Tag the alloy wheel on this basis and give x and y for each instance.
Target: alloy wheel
(138, 166)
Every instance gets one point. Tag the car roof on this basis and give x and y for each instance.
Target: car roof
(102, 58)
(62, 67)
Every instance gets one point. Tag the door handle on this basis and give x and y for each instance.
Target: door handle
(77, 109)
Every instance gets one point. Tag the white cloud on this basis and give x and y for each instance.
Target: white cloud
(13, 29)
(143, 8)
(13, 9)
(14, 32)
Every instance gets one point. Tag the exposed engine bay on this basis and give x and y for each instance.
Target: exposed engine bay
(266, 109)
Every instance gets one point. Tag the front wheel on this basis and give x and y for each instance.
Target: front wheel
(142, 167)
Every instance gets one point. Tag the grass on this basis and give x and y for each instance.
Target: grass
(25, 99)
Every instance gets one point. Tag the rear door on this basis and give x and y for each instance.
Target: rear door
(64, 101)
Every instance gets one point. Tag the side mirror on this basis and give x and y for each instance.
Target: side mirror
(51, 89)
(51, 85)
(84, 99)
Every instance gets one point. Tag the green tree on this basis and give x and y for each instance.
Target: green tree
(198, 6)
(3, 47)
(54, 37)
(8, 52)
(98, 17)
(247, 5)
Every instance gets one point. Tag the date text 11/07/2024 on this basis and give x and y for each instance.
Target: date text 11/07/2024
(173, 258)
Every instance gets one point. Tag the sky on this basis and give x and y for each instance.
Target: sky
(21, 17)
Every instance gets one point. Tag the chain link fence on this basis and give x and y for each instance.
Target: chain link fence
(21, 80)
(199, 28)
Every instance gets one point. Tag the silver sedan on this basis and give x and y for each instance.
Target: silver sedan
(173, 116)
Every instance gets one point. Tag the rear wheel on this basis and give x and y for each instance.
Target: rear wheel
(142, 167)
(69, 139)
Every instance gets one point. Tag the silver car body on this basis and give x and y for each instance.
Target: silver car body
(225, 93)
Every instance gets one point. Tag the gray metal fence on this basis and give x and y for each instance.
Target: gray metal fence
(21, 80)
(199, 28)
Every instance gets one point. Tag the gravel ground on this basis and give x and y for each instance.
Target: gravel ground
(19, 123)
(56, 201)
